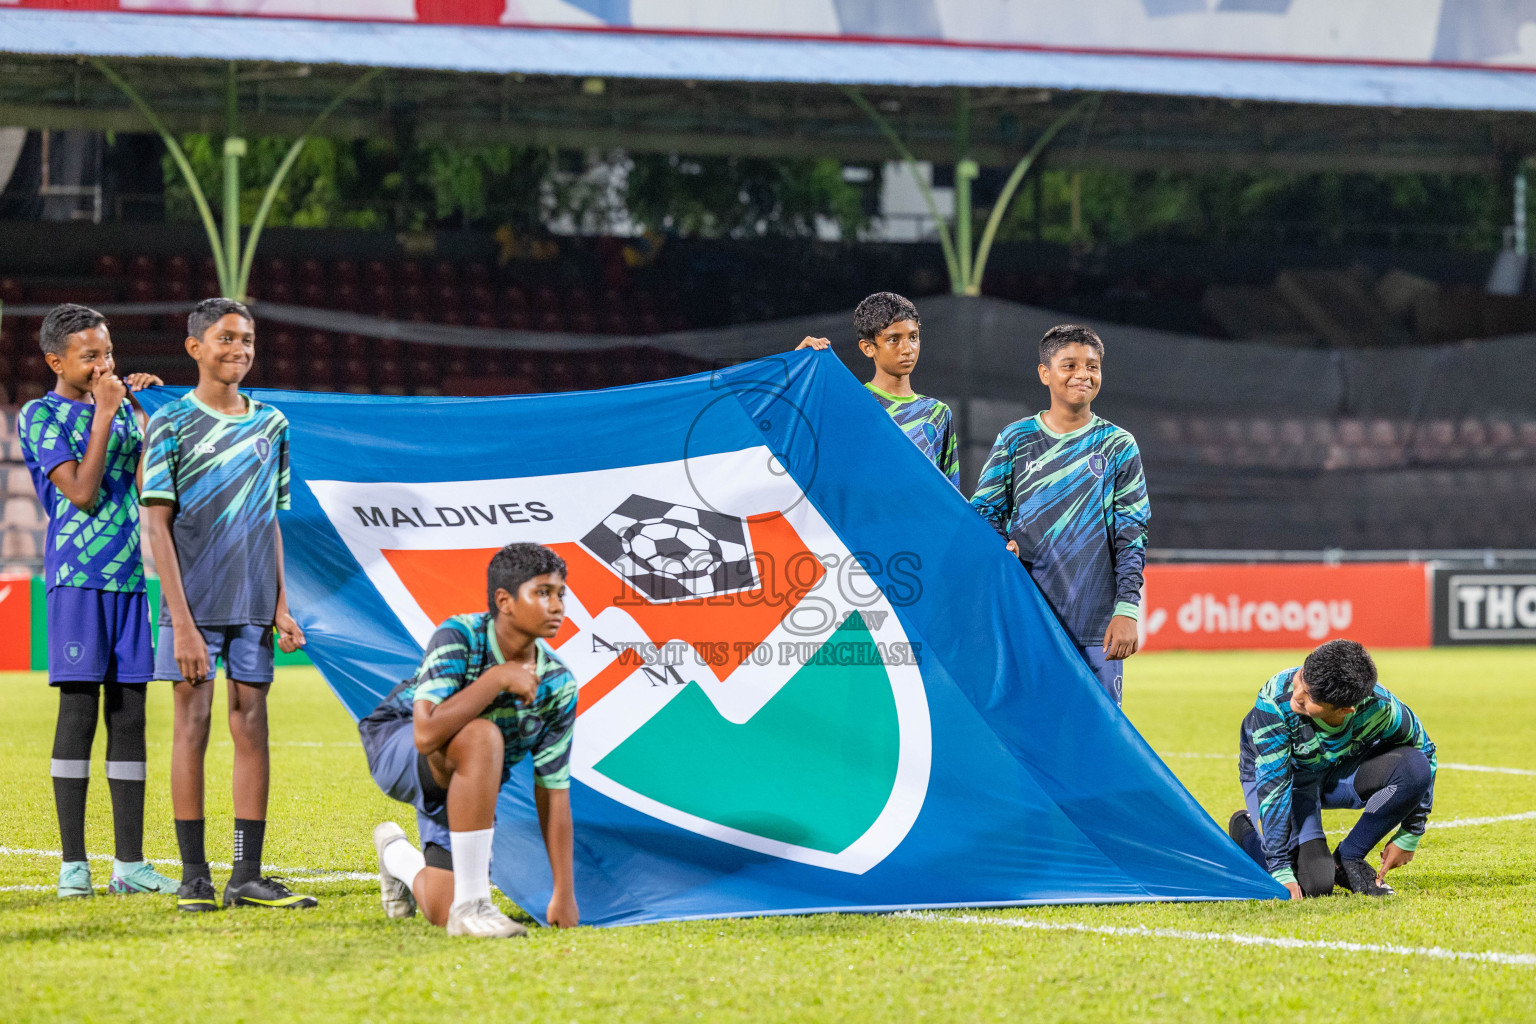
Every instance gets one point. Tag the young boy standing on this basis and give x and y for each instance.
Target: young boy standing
(489, 692)
(216, 476)
(1065, 487)
(1327, 734)
(888, 325)
(81, 444)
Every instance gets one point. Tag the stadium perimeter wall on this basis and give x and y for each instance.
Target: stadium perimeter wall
(1213, 606)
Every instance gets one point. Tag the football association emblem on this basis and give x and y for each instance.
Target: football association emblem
(1097, 464)
(74, 651)
(263, 448)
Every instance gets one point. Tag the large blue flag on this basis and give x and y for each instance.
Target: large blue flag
(812, 678)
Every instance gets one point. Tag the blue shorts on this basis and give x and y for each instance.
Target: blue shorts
(98, 636)
(1111, 673)
(400, 770)
(246, 652)
(1309, 797)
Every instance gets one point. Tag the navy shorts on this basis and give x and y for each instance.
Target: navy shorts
(1310, 796)
(1111, 673)
(98, 636)
(245, 650)
(400, 770)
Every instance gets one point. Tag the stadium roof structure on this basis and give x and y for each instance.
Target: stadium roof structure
(1371, 85)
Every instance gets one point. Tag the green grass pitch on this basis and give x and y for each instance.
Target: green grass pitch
(1472, 889)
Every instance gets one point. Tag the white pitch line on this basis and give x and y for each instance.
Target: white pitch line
(308, 874)
(1234, 938)
(1486, 768)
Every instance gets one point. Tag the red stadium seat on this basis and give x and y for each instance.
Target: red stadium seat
(516, 320)
(344, 272)
(344, 296)
(314, 294)
(317, 345)
(142, 267)
(445, 273)
(278, 291)
(282, 372)
(281, 343)
(389, 373)
(175, 290)
(352, 346)
(176, 268)
(410, 273)
(312, 270)
(481, 297)
(583, 320)
(354, 376)
(424, 371)
(107, 266)
(445, 296)
(513, 297)
(377, 272)
(388, 348)
(317, 374)
(485, 319)
(550, 320)
(277, 269)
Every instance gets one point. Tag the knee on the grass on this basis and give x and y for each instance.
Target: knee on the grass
(1314, 868)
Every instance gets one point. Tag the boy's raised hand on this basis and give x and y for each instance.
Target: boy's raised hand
(108, 390)
(290, 635)
(140, 381)
(816, 343)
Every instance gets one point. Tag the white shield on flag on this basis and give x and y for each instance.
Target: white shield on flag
(743, 677)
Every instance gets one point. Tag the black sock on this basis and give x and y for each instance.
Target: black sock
(126, 768)
(249, 836)
(71, 765)
(189, 840)
(69, 798)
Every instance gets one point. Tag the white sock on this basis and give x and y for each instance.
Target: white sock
(403, 860)
(471, 864)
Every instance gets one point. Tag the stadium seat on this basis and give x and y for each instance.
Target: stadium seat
(317, 344)
(354, 376)
(313, 293)
(282, 372)
(344, 296)
(583, 320)
(424, 371)
(387, 348)
(22, 512)
(344, 272)
(513, 297)
(16, 480)
(20, 544)
(409, 272)
(107, 266)
(389, 376)
(377, 272)
(176, 268)
(352, 346)
(317, 374)
(175, 290)
(549, 320)
(142, 267)
(445, 273)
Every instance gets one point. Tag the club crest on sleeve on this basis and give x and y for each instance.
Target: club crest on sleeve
(1097, 464)
(263, 448)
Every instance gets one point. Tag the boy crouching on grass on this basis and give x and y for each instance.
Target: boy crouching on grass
(1324, 735)
(489, 691)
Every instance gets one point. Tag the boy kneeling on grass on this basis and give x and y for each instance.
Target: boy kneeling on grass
(1328, 735)
(489, 691)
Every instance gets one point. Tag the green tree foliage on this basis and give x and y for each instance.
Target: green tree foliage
(741, 197)
(1425, 210)
(370, 183)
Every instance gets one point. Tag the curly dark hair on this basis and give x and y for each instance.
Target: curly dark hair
(879, 311)
(63, 321)
(515, 565)
(1062, 335)
(210, 311)
(1340, 672)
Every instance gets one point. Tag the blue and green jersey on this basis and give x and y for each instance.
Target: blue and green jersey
(1281, 749)
(929, 424)
(226, 478)
(1077, 506)
(95, 548)
(462, 650)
